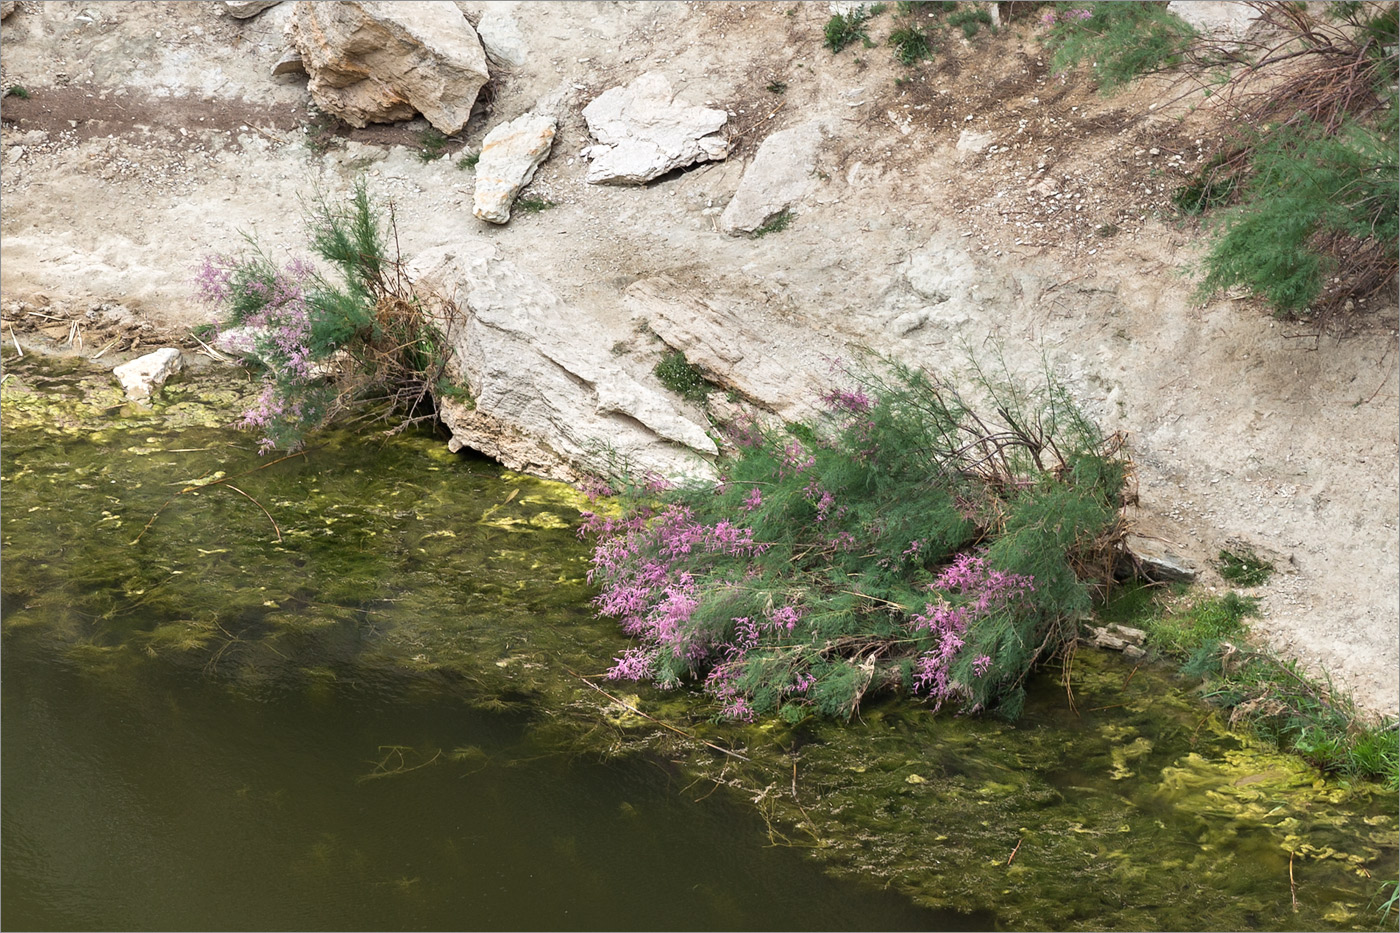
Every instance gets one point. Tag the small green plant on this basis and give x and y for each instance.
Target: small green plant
(431, 145)
(17, 90)
(468, 161)
(1107, 230)
(970, 20)
(1119, 40)
(911, 45)
(1391, 902)
(776, 224)
(323, 132)
(777, 87)
(1244, 568)
(844, 28)
(533, 204)
(677, 374)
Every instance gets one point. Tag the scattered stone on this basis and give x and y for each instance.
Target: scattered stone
(545, 398)
(143, 377)
(378, 62)
(1114, 637)
(289, 64)
(780, 175)
(644, 133)
(509, 156)
(1156, 562)
(244, 9)
(973, 141)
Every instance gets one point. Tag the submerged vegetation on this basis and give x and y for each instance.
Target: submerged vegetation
(905, 540)
(1262, 693)
(466, 582)
(360, 338)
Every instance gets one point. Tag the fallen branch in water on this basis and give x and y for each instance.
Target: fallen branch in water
(665, 725)
(221, 481)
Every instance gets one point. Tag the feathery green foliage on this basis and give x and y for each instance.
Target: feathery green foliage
(1306, 188)
(903, 540)
(1120, 40)
(361, 336)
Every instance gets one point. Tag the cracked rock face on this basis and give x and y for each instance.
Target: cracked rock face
(384, 62)
(643, 133)
(544, 397)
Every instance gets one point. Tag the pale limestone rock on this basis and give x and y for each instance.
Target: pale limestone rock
(500, 34)
(509, 156)
(245, 9)
(644, 133)
(549, 396)
(142, 377)
(289, 64)
(749, 355)
(781, 174)
(6, 8)
(1158, 562)
(377, 62)
(1231, 20)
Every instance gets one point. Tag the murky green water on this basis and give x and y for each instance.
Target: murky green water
(360, 708)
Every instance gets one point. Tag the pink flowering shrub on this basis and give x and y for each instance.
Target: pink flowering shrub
(901, 541)
(362, 335)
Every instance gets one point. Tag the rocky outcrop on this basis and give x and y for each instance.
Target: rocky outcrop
(643, 132)
(246, 9)
(6, 8)
(546, 397)
(384, 62)
(753, 358)
(509, 156)
(779, 177)
(143, 377)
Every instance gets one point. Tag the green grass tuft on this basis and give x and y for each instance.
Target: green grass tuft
(677, 374)
(1244, 567)
(17, 90)
(777, 224)
(534, 204)
(911, 45)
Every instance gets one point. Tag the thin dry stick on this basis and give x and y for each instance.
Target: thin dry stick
(1015, 850)
(15, 338)
(664, 725)
(221, 482)
(259, 505)
(1292, 885)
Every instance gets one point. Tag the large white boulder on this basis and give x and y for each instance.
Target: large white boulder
(643, 132)
(377, 62)
(778, 178)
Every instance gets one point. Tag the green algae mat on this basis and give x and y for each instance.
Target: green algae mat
(149, 549)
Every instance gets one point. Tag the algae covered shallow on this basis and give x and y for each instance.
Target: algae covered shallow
(154, 563)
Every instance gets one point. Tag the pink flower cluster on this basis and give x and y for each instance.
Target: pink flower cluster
(1049, 18)
(984, 591)
(648, 566)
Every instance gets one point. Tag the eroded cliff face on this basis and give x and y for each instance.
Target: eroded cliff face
(976, 204)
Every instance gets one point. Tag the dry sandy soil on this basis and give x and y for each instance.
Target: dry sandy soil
(154, 134)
